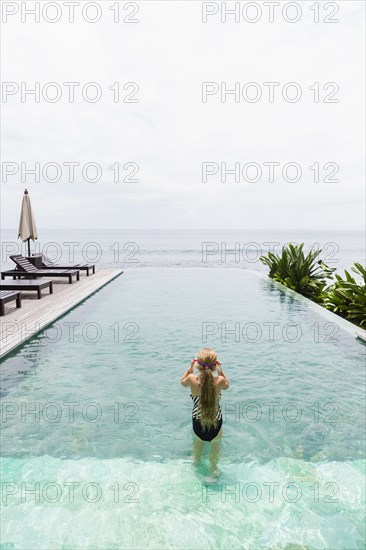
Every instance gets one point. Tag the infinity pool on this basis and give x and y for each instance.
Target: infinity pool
(107, 448)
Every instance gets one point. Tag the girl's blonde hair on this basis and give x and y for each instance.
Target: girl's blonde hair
(207, 360)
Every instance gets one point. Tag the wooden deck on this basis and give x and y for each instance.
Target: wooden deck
(36, 314)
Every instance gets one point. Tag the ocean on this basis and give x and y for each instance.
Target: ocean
(134, 249)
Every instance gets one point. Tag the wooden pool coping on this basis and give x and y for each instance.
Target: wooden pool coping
(19, 325)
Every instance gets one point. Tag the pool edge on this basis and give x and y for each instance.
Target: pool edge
(64, 308)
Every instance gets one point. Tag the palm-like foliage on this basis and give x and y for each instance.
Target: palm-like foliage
(347, 297)
(302, 273)
(307, 275)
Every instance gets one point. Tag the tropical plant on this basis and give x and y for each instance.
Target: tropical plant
(302, 273)
(347, 297)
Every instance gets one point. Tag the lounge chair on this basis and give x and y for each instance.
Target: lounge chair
(47, 264)
(26, 269)
(27, 286)
(8, 296)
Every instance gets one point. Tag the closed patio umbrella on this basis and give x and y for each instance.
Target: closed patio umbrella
(27, 224)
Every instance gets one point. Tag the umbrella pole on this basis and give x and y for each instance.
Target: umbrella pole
(28, 247)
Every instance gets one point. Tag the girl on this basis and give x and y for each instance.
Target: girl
(205, 393)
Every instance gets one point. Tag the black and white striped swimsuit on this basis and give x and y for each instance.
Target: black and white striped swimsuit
(196, 411)
(208, 434)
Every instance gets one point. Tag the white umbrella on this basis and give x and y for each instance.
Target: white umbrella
(27, 224)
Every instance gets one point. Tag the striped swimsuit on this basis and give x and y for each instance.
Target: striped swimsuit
(208, 434)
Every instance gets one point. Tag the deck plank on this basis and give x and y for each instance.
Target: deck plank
(36, 314)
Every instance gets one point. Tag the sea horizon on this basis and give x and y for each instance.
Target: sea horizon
(138, 248)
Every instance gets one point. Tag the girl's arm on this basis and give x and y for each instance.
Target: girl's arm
(185, 378)
(225, 382)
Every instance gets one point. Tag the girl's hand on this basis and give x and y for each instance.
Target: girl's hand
(191, 368)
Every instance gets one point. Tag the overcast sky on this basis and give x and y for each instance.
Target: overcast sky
(170, 132)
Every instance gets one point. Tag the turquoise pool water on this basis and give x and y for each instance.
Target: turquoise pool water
(110, 442)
